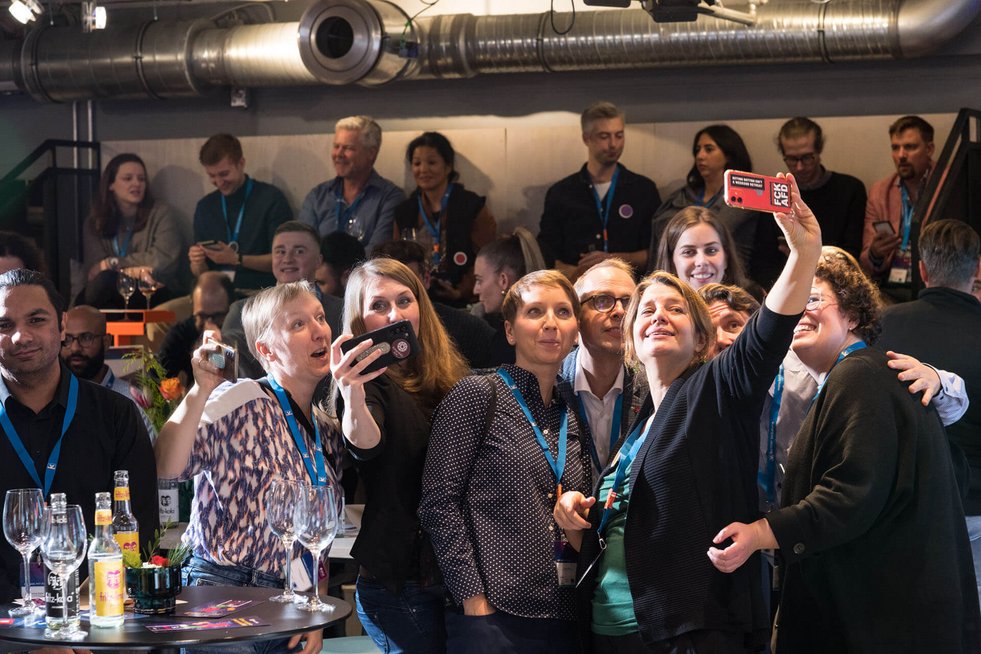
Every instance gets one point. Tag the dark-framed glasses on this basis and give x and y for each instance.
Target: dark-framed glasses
(217, 318)
(804, 159)
(605, 302)
(84, 339)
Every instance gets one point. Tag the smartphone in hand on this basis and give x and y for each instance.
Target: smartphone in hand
(225, 359)
(397, 342)
(757, 192)
(884, 227)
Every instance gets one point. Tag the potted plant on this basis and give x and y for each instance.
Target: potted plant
(154, 581)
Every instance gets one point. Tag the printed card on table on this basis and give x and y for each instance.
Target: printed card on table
(207, 625)
(216, 609)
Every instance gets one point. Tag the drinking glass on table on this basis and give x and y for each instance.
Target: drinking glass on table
(126, 286)
(63, 548)
(23, 524)
(316, 526)
(281, 501)
(148, 286)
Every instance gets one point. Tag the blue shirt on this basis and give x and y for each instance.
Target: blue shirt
(375, 209)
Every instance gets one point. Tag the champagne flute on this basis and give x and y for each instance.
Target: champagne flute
(63, 548)
(316, 518)
(147, 286)
(280, 503)
(126, 286)
(23, 524)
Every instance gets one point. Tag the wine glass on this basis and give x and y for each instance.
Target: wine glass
(23, 524)
(355, 227)
(63, 548)
(316, 526)
(147, 286)
(410, 234)
(126, 286)
(281, 500)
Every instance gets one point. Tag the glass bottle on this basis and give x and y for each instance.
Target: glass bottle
(106, 575)
(126, 530)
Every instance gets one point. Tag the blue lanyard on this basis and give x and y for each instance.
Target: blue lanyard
(844, 353)
(631, 446)
(318, 476)
(233, 238)
(121, 250)
(21, 450)
(907, 216)
(603, 210)
(344, 216)
(614, 429)
(557, 465)
(768, 476)
(435, 229)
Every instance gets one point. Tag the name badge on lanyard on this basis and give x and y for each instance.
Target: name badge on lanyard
(233, 235)
(316, 469)
(603, 207)
(901, 271)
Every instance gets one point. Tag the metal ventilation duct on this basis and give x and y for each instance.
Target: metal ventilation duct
(367, 42)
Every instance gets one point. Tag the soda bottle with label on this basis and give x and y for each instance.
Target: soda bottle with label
(125, 529)
(54, 611)
(106, 575)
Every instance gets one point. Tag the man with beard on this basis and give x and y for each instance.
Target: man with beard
(886, 242)
(84, 352)
(604, 210)
(59, 433)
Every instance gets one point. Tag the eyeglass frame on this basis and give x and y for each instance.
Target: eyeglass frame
(818, 303)
(624, 300)
(81, 338)
(804, 159)
(205, 317)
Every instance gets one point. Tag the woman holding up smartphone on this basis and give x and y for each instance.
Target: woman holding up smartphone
(385, 417)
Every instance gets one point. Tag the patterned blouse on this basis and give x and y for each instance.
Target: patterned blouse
(242, 443)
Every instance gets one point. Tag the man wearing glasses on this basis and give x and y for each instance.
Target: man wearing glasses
(84, 352)
(837, 200)
(608, 394)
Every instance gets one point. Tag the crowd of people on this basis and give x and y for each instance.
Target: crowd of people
(673, 427)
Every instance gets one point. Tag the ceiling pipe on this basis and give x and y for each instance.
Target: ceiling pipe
(370, 42)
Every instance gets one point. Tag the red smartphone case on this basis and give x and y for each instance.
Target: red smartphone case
(756, 192)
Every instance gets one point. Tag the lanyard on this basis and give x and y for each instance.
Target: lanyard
(233, 238)
(121, 250)
(318, 476)
(345, 216)
(603, 209)
(18, 444)
(631, 446)
(557, 465)
(844, 353)
(768, 475)
(435, 229)
(907, 216)
(614, 429)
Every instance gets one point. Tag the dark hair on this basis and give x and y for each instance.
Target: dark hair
(104, 216)
(858, 298)
(437, 142)
(799, 127)
(913, 122)
(732, 146)
(734, 297)
(518, 252)
(407, 252)
(13, 244)
(25, 277)
(341, 251)
(297, 226)
(949, 250)
(219, 146)
(216, 277)
(684, 220)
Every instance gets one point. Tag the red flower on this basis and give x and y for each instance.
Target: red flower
(162, 561)
(140, 397)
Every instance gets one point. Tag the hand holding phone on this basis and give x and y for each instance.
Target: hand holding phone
(884, 227)
(225, 359)
(397, 342)
(757, 192)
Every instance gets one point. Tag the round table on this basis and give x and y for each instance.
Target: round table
(284, 620)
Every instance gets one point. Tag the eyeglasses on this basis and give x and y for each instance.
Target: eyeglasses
(216, 318)
(84, 339)
(805, 159)
(605, 302)
(815, 303)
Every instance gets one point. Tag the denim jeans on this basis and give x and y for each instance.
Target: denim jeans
(410, 621)
(502, 633)
(198, 572)
(974, 533)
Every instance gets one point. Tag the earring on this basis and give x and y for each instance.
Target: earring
(504, 292)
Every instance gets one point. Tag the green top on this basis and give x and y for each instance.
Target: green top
(613, 606)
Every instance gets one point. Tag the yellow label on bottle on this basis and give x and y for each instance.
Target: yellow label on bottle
(103, 517)
(128, 541)
(108, 588)
(120, 493)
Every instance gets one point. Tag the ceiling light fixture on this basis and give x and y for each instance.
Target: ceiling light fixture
(93, 16)
(25, 10)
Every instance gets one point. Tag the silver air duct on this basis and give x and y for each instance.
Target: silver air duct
(368, 42)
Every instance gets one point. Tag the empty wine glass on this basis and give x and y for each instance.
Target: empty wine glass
(355, 227)
(63, 548)
(148, 286)
(410, 234)
(126, 286)
(316, 526)
(281, 500)
(23, 524)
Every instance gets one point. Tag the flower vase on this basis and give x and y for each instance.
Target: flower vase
(154, 590)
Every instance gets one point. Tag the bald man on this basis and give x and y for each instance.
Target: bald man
(212, 295)
(84, 352)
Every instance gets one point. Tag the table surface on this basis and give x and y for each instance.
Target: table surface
(284, 620)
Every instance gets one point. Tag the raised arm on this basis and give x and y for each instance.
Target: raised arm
(358, 425)
(800, 227)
